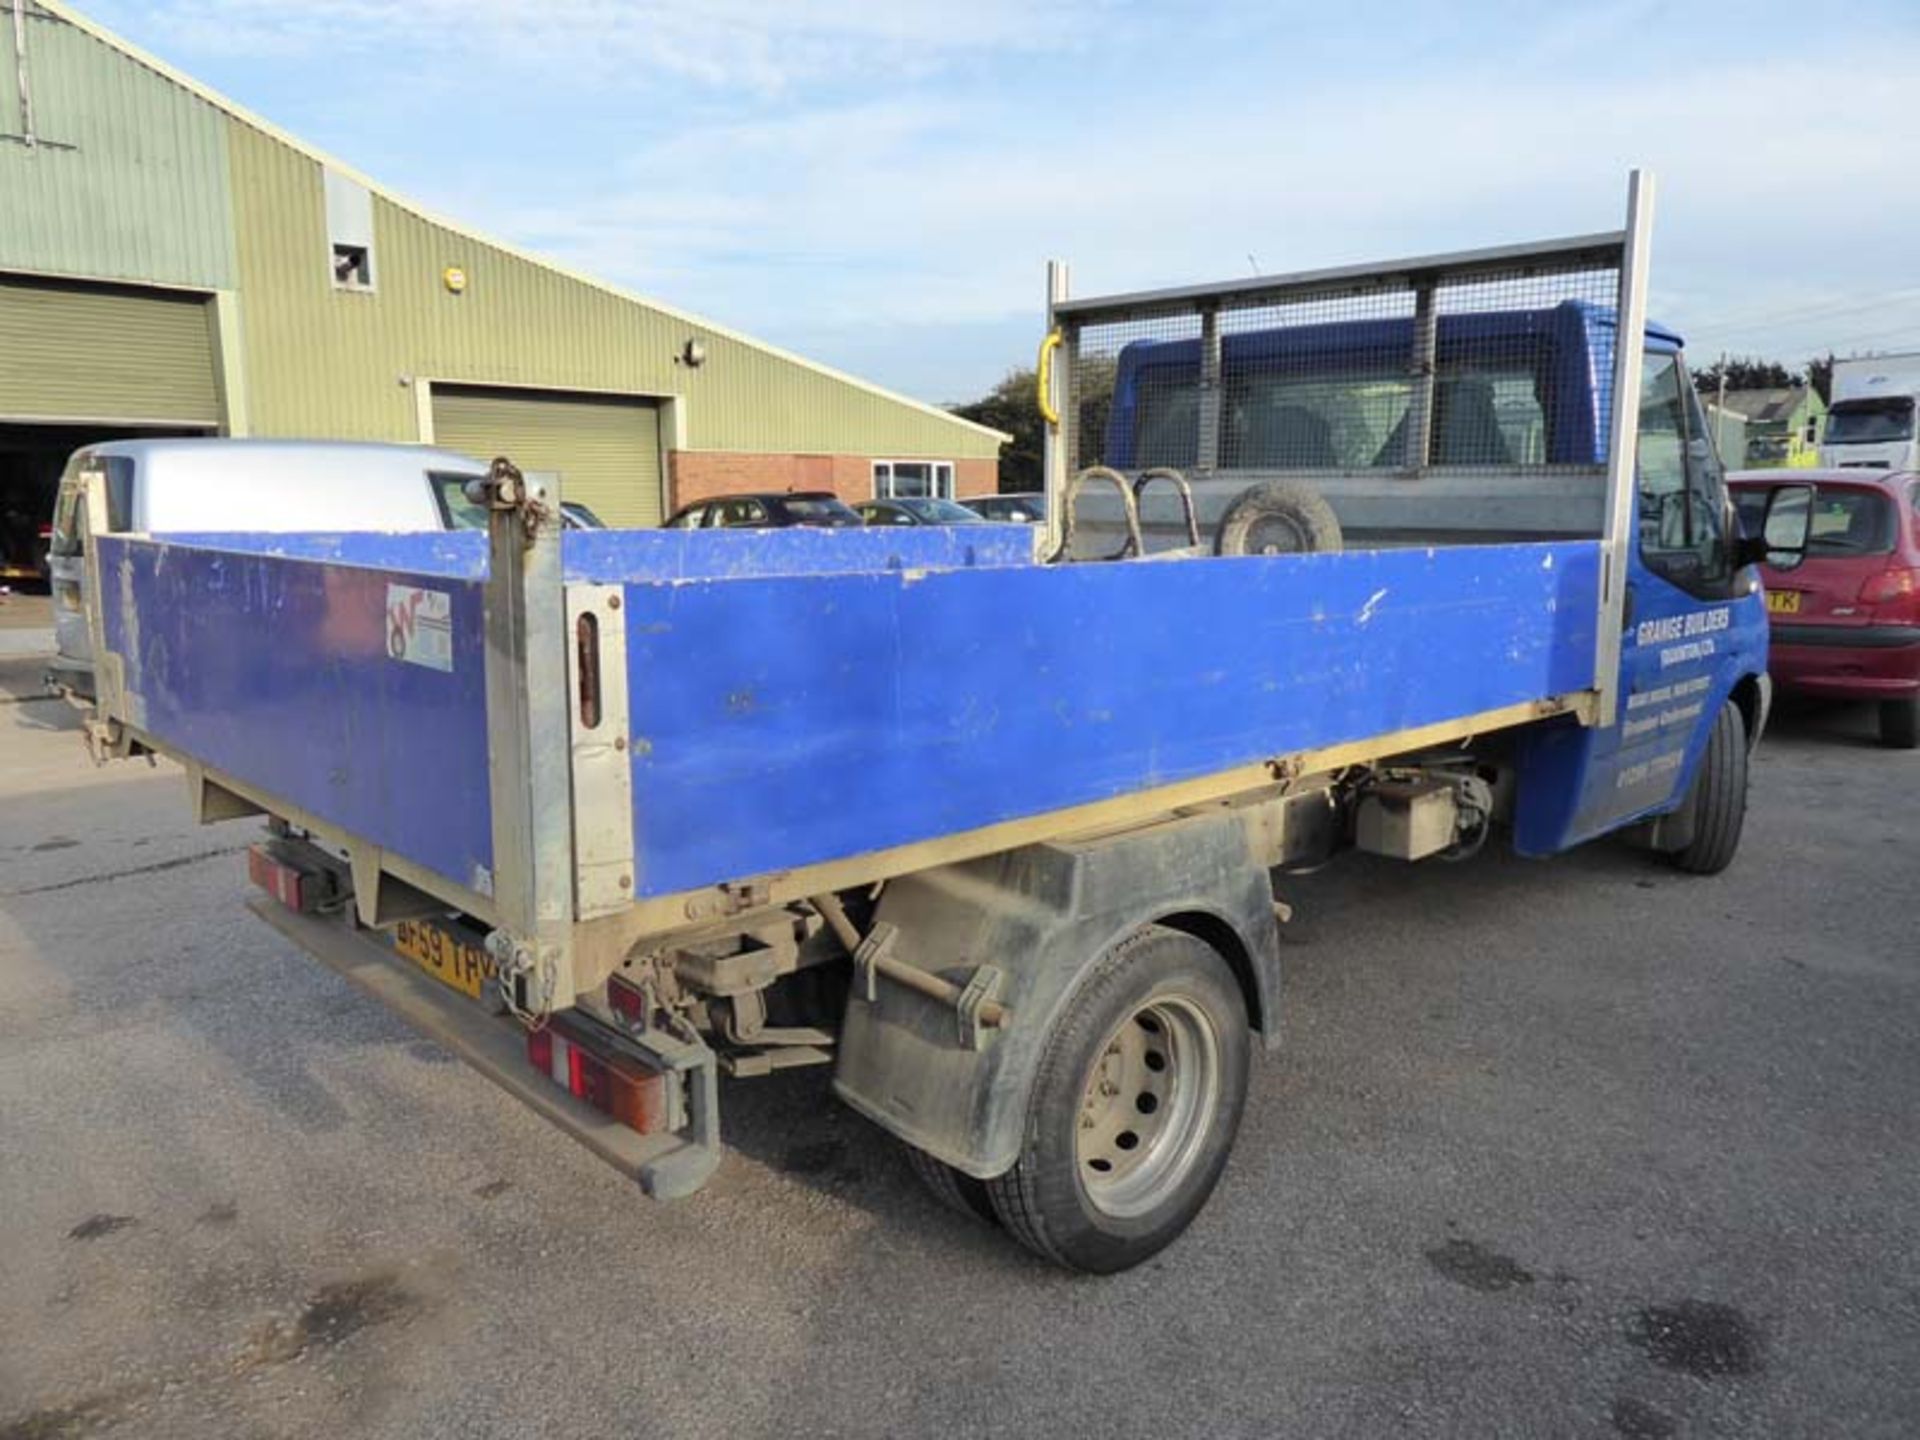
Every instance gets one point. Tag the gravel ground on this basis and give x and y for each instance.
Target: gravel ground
(1575, 1148)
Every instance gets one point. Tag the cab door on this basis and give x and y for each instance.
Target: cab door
(1694, 626)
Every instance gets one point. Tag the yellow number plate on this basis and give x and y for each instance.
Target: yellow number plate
(1783, 602)
(447, 956)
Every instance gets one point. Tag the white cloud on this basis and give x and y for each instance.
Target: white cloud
(887, 176)
(758, 45)
(936, 213)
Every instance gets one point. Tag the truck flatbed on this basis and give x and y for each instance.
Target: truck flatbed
(820, 700)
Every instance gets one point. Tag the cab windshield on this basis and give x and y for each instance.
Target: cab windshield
(69, 530)
(456, 509)
(1870, 422)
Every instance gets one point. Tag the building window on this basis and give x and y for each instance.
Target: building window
(898, 479)
(353, 267)
(349, 232)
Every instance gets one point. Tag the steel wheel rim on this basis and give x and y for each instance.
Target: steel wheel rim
(1149, 1101)
(1275, 535)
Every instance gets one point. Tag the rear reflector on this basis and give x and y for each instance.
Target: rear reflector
(293, 887)
(626, 1001)
(616, 1085)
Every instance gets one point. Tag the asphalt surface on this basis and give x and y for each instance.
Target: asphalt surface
(1573, 1148)
(26, 620)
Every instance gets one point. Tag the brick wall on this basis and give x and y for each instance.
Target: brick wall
(976, 477)
(697, 474)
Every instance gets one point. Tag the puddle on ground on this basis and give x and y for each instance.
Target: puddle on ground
(94, 1226)
(1638, 1420)
(1478, 1268)
(334, 1313)
(1698, 1337)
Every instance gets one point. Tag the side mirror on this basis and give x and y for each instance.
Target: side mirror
(1784, 529)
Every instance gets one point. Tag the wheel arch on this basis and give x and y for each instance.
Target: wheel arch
(1224, 938)
(1752, 696)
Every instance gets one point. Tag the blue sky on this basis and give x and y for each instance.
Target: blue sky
(877, 183)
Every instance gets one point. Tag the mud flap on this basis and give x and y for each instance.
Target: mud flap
(1039, 916)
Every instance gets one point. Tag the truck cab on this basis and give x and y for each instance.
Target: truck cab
(1870, 420)
(1871, 433)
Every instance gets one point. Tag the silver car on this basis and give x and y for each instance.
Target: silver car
(158, 487)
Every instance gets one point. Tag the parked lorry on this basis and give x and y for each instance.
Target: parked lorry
(1870, 415)
(993, 832)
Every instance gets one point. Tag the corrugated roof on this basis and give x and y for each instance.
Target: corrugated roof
(1765, 406)
(266, 127)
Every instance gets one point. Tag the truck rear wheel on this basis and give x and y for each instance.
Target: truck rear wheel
(955, 1189)
(1900, 723)
(1281, 517)
(1134, 1107)
(1718, 797)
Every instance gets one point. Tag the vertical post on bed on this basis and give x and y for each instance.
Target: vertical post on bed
(1422, 372)
(1623, 431)
(1057, 435)
(1206, 454)
(528, 751)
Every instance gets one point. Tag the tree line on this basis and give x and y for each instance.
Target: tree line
(1750, 372)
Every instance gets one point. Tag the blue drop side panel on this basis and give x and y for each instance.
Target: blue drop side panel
(458, 553)
(608, 557)
(275, 670)
(784, 721)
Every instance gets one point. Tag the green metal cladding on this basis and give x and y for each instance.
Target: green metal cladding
(165, 187)
(130, 180)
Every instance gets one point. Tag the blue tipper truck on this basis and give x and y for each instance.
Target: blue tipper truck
(992, 826)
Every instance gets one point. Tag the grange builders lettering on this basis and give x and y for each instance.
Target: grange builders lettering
(1684, 637)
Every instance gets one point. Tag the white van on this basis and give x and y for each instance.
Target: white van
(158, 487)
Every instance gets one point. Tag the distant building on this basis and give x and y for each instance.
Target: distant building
(173, 264)
(1784, 425)
(1729, 434)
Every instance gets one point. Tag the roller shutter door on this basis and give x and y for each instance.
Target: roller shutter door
(605, 448)
(105, 354)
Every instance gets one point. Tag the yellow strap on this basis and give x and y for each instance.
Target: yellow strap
(1043, 378)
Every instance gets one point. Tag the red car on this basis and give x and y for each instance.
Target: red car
(1846, 623)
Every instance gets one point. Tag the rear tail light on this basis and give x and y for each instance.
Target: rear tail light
(1887, 585)
(294, 887)
(616, 1085)
(1893, 593)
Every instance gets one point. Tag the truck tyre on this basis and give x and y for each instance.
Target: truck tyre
(1900, 723)
(1718, 797)
(955, 1189)
(1281, 517)
(1134, 1105)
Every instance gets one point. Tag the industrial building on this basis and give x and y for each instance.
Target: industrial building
(172, 264)
(1783, 426)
